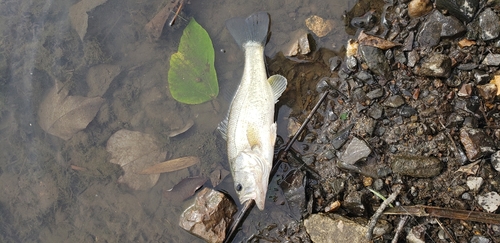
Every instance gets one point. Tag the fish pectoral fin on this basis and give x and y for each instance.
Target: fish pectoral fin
(273, 133)
(222, 127)
(253, 136)
(278, 85)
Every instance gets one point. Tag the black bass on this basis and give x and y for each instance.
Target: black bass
(250, 129)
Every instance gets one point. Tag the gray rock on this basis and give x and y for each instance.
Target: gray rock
(436, 26)
(209, 216)
(416, 166)
(338, 229)
(495, 160)
(476, 143)
(461, 9)
(376, 93)
(375, 60)
(413, 58)
(295, 193)
(355, 151)
(488, 22)
(481, 77)
(375, 111)
(437, 65)
(341, 137)
(479, 239)
(407, 111)
(474, 183)
(492, 59)
(353, 203)
(394, 101)
(416, 234)
(489, 201)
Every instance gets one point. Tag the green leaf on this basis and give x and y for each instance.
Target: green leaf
(192, 78)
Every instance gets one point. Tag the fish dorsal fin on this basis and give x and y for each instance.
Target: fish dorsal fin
(253, 136)
(278, 85)
(222, 127)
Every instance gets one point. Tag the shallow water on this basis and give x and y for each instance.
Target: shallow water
(55, 190)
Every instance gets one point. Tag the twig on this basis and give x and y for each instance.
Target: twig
(446, 231)
(438, 212)
(401, 224)
(248, 205)
(380, 210)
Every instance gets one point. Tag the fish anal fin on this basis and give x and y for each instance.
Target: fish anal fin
(278, 85)
(273, 133)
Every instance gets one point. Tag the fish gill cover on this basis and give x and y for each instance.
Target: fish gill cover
(192, 78)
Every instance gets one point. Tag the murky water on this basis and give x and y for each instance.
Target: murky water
(66, 190)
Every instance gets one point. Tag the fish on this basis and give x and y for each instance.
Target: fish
(249, 128)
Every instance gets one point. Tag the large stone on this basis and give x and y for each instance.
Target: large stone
(375, 60)
(461, 9)
(488, 22)
(436, 26)
(209, 216)
(476, 143)
(324, 229)
(437, 65)
(355, 151)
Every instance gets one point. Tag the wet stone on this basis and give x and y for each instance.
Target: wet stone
(437, 65)
(492, 59)
(487, 91)
(479, 239)
(376, 93)
(341, 137)
(489, 201)
(416, 166)
(355, 151)
(461, 9)
(407, 111)
(476, 143)
(336, 229)
(488, 22)
(354, 203)
(375, 60)
(413, 58)
(394, 101)
(495, 160)
(481, 77)
(375, 111)
(436, 26)
(209, 216)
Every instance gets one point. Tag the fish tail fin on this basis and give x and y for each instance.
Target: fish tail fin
(252, 29)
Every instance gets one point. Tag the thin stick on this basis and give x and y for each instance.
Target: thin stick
(181, 4)
(380, 210)
(401, 224)
(248, 205)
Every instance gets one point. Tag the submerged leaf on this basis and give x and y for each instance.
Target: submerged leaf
(135, 151)
(184, 189)
(191, 77)
(63, 116)
(171, 165)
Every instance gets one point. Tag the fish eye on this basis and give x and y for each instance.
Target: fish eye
(238, 187)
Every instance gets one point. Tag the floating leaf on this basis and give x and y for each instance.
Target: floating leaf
(135, 151)
(192, 78)
(63, 116)
(171, 165)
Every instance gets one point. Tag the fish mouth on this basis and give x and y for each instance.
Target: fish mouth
(259, 198)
